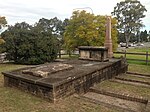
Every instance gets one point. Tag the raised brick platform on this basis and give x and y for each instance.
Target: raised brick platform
(60, 79)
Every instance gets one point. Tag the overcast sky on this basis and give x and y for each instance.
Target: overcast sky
(31, 11)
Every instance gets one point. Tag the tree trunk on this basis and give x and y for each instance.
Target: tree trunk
(127, 38)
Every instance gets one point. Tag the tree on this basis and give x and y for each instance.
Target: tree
(129, 14)
(29, 45)
(54, 26)
(80, 30)
(3, 22)
(143, 36)
(63, 28)
(85, 29)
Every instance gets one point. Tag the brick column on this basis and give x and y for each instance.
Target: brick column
(108, 40)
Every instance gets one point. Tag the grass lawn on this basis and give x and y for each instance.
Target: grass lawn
(131, 56)
(69, 57)
(136, 50)
(139, 50)
(14, 100)
(139, 68)
(129, 89)
(138, 57)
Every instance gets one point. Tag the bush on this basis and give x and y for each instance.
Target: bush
(29, 47)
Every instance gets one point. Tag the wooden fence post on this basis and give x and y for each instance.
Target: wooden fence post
(125, 54)
(146, 57)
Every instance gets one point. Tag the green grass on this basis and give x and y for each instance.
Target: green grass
(7, 67)
(134, 57)
(124, 89)
(139, 68)
(138, 57)
(139, 50)
(136, 50)
(131, 56)
(138, 62)
(14, 100)
(69, 57)
(129, 89)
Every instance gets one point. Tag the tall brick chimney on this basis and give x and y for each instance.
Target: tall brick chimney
(108, 40)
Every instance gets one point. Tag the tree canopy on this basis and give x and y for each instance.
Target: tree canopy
(30, 45)
(87, 29)
(129, 14)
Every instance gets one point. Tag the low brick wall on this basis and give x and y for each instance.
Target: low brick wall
(138, 74)
(121, 96)
(132, 80)
(35, 89)
(83, 84)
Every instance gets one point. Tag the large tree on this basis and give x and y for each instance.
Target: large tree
(129, 14)
(87, 29)
(54, 26)
(30, 45)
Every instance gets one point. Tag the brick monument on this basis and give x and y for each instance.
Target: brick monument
(108, 40)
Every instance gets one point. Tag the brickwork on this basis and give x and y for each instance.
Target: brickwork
(42, 91)
(132, 80)
(57, 90)
(121, 96)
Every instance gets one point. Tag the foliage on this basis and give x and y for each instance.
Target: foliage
(143, 36)
(1, 44)
(114, 34)
(139, 37)
(1, 41)
(30, 45)
(3, 22)
(54, 25)
(87, 29)
(129, 14)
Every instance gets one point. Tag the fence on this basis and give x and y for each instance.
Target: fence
(146, 55)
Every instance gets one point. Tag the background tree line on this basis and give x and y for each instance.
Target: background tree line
(41, 42)
(141, 36)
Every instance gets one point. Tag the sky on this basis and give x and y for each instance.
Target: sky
(31, 11)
